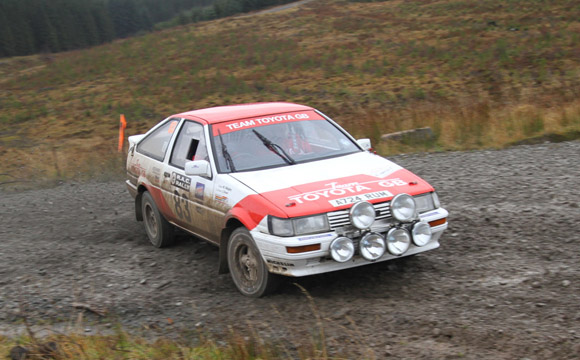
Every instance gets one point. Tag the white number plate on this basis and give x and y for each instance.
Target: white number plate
(361, 197)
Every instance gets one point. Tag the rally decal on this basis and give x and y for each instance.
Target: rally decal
(181, 202)
(433, 213)
(221, 199)
(314, 237)
(172, 127)
(334, 189)
(280, 263)
(180, 181)
(235, 125)
(199, 191)
(138, 169)
(156, 175)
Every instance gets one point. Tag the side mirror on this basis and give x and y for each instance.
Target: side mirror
(364, 143)
(198, 168)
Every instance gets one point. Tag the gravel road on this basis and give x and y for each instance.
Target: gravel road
(505, 284)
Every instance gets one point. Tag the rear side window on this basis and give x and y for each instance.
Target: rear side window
(155, 144)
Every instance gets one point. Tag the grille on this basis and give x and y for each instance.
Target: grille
(339, 219)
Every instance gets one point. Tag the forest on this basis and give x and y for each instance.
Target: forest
(49, 26)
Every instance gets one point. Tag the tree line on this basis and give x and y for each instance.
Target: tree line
(34, 26)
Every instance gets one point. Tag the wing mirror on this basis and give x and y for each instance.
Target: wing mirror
(198, 168)
(364, 143)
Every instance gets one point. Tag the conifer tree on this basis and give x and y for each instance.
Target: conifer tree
(7, 43)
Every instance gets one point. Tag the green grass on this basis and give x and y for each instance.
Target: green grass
(486, 74)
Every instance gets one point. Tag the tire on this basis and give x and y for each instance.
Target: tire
(247, 268)
(159, 231)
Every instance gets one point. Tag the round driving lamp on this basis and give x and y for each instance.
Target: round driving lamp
(421, 233)
(403, 207)
(342, 249)
(372, 246)
(398, 241)
(362, 215)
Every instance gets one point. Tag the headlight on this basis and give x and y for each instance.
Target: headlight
(342, 249)
(362, 215)
(403, 207)
(372, 246)
(281, 227)
(424, 202)
(398, 241)
(310, 224)
(421, 233)
(298, 226)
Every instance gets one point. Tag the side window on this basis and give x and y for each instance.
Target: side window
(190, 145)
(155, 144)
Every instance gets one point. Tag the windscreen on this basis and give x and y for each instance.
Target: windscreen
(282, 140)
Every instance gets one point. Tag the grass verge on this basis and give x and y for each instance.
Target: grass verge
(71, 343)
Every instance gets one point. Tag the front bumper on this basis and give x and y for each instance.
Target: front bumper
(279, 261)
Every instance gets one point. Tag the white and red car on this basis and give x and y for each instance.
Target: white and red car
(281, 189)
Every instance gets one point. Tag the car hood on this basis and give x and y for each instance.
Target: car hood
(332, 184)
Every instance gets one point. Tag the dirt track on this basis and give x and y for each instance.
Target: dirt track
(504, 285)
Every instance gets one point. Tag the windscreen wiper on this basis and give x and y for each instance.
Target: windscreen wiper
(226, 154)
(275, 148)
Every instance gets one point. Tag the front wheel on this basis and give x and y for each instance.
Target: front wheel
(159, 231)
(247, 267)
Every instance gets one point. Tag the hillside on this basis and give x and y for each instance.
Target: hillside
(480, 73)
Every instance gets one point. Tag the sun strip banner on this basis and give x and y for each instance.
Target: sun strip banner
(248, 123)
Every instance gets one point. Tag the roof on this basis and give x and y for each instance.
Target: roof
(233, 112)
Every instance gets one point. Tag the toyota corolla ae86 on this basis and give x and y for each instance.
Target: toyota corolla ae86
(281, 189)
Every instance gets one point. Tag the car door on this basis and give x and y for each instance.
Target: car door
(191, 195)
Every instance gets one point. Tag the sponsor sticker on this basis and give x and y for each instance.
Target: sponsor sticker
(235, 125)
(172, 127)
(362, 197)
(224, 189)
(280, 263)
(221, 199)
(199, 190)
(156, 175)
(138, 169)
(357, 189)
(180, 181)
(436, 212)
(312, 237)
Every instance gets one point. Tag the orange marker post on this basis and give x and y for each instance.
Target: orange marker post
(122, 127)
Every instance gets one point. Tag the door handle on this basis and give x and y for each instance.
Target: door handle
(166, 174)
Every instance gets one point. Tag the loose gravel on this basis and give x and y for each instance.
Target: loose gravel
(505, 284)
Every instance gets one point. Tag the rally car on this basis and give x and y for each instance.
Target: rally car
(281, 189)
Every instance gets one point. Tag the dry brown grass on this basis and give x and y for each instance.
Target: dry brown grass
(481, 74)
(65, 341)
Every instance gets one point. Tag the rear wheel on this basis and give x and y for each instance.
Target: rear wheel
(159, 231)
(247, 268)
